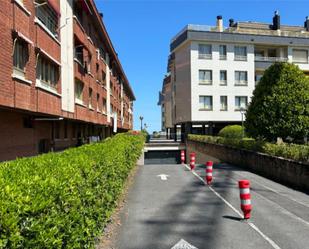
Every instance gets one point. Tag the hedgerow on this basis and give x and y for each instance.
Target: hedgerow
(63, 200)
(290, 151)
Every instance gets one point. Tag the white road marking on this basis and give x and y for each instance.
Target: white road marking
(275, 191)
(265, 237)
(182, 244)
(163, 177)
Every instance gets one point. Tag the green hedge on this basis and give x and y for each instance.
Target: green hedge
(63, 200)
(290, 151)
(232, 131)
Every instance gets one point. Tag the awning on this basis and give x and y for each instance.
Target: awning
(49, 56)
(53, 4)
(22, 36)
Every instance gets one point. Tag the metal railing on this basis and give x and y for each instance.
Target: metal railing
(240, 58)
(205, 56)
(270, 59)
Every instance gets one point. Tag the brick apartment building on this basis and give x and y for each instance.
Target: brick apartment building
(61, 81)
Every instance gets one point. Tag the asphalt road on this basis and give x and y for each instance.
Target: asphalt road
(160, 213)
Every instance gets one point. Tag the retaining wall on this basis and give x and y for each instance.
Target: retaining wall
(289, 172)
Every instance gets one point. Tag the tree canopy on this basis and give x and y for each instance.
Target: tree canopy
(280, 104)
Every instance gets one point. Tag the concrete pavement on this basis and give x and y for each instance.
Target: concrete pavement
(160, 213)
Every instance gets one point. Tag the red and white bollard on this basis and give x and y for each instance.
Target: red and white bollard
(182, 156)
(192, 160)
(245, 198)
(209, 165)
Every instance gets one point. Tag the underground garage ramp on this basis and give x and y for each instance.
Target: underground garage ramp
(162, 157)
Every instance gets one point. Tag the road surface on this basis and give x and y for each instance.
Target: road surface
(169, 206)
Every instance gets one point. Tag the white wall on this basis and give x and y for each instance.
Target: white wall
(67, 57)
(302, 66)
(215, 90)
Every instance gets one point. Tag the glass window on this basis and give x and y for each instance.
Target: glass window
(241, 78)
(240, 53)
(98, 102)
(79, 87)
(222, 52)
(90, 98)
(47, 72)
(20, 57)
(223, 77)
(204, 51)
(300, 56)
(241, 102)
(223, 103)
(104, 106)
(205, 77)
(205, 103)
(47, 16)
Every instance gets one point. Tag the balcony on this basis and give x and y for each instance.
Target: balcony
(240, 58)
(270, 59)
(205, 56)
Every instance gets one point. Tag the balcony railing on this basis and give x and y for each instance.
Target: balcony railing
(205, 82)
(222, 57)
(240, 57)
(205, 56)
(241, 82)
(271, 59)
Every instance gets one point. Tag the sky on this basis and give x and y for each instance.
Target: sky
(141, 31)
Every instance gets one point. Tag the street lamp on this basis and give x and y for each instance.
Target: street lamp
(242, 112)
(141, 118)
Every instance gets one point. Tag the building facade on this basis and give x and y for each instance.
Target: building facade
(216, 69)
(62, 83)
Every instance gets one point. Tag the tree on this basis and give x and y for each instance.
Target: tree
(280, 104)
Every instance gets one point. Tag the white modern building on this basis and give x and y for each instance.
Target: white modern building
(214, 70)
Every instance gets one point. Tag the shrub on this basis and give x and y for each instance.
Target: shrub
(63, 200)
(232, 131)
(280, 104)
(290, 151)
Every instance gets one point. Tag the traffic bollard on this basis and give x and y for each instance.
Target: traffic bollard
(182, 157)
(245, 198)
(192, 160)
(209, 165)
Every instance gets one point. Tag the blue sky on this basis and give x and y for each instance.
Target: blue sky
(141, 31)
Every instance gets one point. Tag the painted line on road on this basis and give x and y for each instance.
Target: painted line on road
(265, 237)
(275, 191)
(284, 210)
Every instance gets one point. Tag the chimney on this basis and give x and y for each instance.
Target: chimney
(276, 21)
(307, 23)
(219, 24)
(231, 21)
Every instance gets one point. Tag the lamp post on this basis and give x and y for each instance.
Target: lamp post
(242, 112)
(141, 118)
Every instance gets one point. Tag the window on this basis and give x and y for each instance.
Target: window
(205, 77)
(222, 52)
(223, 77)
(78, 11)
(241, 102)
(241, 78)
(300, 56)
(240, 53)
(79, 53)
(20, 57)
(79, 87)
(98, 102)
(223, 103)
(103, 78)
(204, 51)
(89, 63)
(47, 16)
(205, 103)
(111, 109)
(104, 106)
(258, 78)
(47, 72)
(90, 98)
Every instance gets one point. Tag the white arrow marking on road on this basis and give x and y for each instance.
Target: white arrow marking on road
(163, 177)
(182, 244)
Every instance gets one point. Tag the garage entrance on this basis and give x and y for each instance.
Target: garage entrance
(162, 157)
